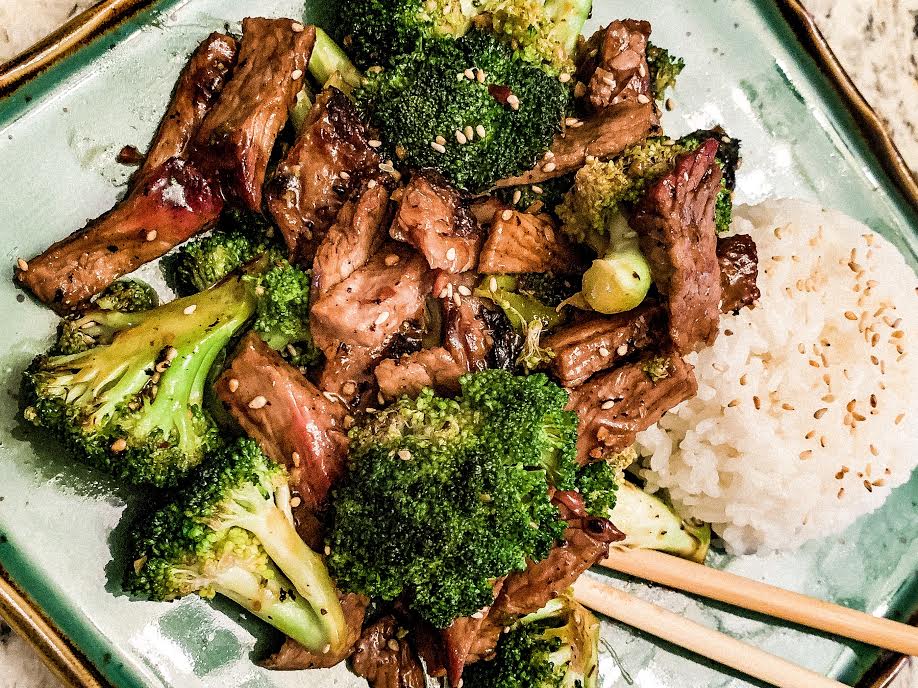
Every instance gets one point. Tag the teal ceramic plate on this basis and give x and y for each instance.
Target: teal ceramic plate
(59, 523)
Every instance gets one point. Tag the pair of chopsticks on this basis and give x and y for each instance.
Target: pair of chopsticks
(741, 592)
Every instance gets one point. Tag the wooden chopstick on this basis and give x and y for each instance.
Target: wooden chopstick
(698, 579)
(662, 623)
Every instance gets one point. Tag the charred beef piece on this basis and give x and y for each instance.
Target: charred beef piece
(368, 308)
(522, 242)
(739, 271)
(198, 88)
(235, 141)
(603, 135)
(676, 231)
(614, 406)
(294, 657)
(434, 218)
(386, 660)
(312, 182)
(167, 206)
(291, 420)
(615, 68)
(599, 343)
(466, 346)
(356, 235)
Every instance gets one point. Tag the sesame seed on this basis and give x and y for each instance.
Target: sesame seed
(604, 352)
(513, 101)
(820, 413)
(622, 350)
(734, 403)
(481, 76)
(571, 121)
(374, 143)
(296, 27)
(392, 259)
(404, 455)
(258, 402)
(451, 253)
(492, 284)
(439, 147)
(296, 74)
(457, 299)
(564, 78)
(190, 309)
(550, 167)
(392, 644)
(441, 140)
(642, 99)
(469, 132)
(465, 291)
(850, 315)
(460, 76)
(899, 418)
(537, 189)
(608, 405)
(868, 486)
(874, 450)
(461, 138)
(804, 455)
(345, 175)
(151, 235)
(233, 385)
(327, 550)
(517, 196)
(469, 74)
(24, 266)
(119, 445)
(171, 354)
(348, 388)
(841, 492)
(481, 131)
(507, 215)
(810, 435)
(381, 318)
(787, 407)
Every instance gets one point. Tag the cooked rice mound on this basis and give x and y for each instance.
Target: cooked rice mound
(804, 418)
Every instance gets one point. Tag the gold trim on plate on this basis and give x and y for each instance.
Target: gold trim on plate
(25, 617)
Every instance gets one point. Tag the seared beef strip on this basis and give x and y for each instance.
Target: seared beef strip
(291, 420)
(198, 87)
(238, 134)
(409, 374)
(167, 206)
(614, 406)
(676, 231)
(294, 657)
(739, 271)
(522, 242)
(434, 218)
(314, 179)
(604, 135)
(615, 69)
(386, 660)
(369, 307)
(356, 235)
(599, 343)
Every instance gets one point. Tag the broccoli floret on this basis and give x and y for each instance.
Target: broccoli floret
(282, 317)
(443, 496)
(665, 68)
(598, 483)
(421, 101)
(541, 31)
(131, 402)
(127, 296)
(239, 238)
(728, 156)
(521, 306)
(229, 532)
(546, 288)
(557, 647)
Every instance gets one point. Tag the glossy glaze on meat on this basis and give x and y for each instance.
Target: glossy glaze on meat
(386, 659)
(675, 226)
(523, 242)
(236, 138)
(615, 68)
(739, 271)
(329, 158)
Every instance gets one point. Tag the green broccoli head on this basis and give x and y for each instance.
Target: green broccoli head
(424, 106)
(130, 400)
(443, 496)
(239, 238)
(598, 484)
(557, 647)
(127, 296)
(665, 69)
(229, 532)
(541, 31)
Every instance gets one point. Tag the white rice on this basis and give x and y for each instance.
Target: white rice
(836, 324)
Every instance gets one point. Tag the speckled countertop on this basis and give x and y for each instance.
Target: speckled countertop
(876, 40)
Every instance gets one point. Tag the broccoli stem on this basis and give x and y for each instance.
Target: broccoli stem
(278, 605)
(330, 66)
(305, 568)
(567, 18)
(617, 282)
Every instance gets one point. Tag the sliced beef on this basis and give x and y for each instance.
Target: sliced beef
(291, 420)
(356, 235)
(347, 375)
(312, 182)
(739, 272)
(615, 68)
(434, 218)
(370, 306)
(675, 226)
(167, 206)
(522, 242)
(197, 90)
(237, 136)
(385, 658)
(294, 657)
(614, 406)
(599, 343)
(409, 374)
(602, 135)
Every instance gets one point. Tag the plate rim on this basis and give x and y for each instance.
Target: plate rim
(62, 657)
